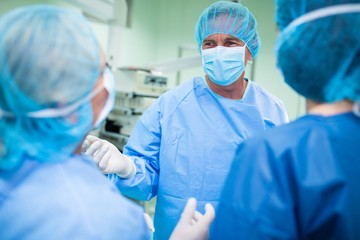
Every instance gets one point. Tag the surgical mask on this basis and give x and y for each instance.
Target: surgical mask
(109, 104)
(224, 65)
(108, 84)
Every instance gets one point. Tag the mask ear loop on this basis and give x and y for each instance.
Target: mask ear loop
(64, 111)
(356, 109)
(109, 82)
(314, 15)
(247, 47)
(55, 112)
(324, 12)
(109, 86)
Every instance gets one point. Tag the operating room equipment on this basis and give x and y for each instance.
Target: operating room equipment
(136, 89)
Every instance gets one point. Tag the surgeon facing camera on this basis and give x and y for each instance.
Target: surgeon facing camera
(183, 145)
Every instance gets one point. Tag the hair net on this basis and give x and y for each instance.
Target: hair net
(319, 58)
(49, 58)
(229, 18)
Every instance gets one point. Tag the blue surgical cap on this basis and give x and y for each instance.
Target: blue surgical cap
(228, 18)
(320, 58)
(49, 58)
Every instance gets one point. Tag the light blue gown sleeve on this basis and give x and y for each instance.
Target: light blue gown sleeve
(257, 197)
(143, 148)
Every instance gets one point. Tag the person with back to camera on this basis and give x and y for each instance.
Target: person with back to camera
(301, 180)
(183, 145)
(47, 188)
(54, 88)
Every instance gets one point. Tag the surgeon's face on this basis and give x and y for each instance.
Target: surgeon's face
(225, 40)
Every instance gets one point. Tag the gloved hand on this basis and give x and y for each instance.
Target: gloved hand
(192, 224)
(108, 158)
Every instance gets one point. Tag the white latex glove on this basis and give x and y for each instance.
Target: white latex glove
(108, 158)
(192, 224)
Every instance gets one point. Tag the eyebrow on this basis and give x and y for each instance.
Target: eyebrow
(226, 39)
(232, 39)
(208, 40)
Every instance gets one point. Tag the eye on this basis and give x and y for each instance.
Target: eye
(232, 44)
(208, 44)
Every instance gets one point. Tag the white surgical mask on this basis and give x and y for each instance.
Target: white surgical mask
(224, 65)
(109, 104)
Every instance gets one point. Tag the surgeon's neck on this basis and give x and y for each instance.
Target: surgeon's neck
(234, 91)
(328, 109)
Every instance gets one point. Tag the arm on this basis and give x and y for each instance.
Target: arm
(136, 171)
(143, 148)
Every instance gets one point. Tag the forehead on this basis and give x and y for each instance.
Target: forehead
(221, 37)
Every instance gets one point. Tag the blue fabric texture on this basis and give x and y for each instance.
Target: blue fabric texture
(184, 143)
(319, 59)
(229, 18)
(66, 200)
(298, 181)
(49, 58)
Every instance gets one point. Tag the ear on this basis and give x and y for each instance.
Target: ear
(249, 59)
(248, 56)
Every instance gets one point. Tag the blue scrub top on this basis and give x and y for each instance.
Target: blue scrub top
(65, 200)
(184, 143)
(299, 181)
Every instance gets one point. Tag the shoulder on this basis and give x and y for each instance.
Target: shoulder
(266, 95)
(275, 143)
(168, 102)
(272, 108)
(76, 196)
(181, 91)
(284, 143)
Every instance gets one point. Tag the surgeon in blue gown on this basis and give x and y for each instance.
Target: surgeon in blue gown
(301, 180)
(54, 88)
(183, 145)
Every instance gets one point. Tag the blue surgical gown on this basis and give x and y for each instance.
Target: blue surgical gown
(184, 143)
(299, 181)
(65, 200)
